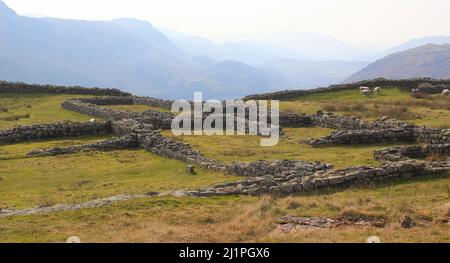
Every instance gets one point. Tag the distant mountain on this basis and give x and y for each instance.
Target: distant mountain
(124, 53)
(312, 74)
(426, 61)
(248, 52)
(413, 43)
(315, 46)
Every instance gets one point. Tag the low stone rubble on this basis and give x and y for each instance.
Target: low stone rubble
(290, 223)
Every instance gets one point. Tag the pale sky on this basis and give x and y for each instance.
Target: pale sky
(359, 23)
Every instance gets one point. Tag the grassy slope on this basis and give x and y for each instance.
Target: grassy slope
(247, 219)
(42, 108)
(392, 102)
(39, 181)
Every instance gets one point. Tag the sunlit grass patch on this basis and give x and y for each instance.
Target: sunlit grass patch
(24, 109)
(25, 182)
(247, 148)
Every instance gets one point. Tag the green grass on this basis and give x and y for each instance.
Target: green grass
(28, 182)
(247, 219)
(247, 148)
(432, 111)
(42, 108)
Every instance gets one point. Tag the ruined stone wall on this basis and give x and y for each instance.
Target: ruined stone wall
(351, 137)
(19, 87)
(86, 107)
(124, 142)
(429, 88)
(289, 94)
(41, 132)
(286, 185)
(159, 120)
(393, 154)
(160, 103)
(432, 135)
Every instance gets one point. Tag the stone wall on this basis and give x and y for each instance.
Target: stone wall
(357, 131)
(429, 88)
(159, 120)
(154, 102)
(289, 94)
(56, 130)
(351, 137)
(124, 142)
(286, 185)
(399, 153)
(20, 87)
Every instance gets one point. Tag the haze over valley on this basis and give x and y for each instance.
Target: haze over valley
(138, 57)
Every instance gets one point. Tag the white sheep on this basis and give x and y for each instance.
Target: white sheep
(363, 88)
(446, 92)
(366, 92)
(377, 90)
(92, 120)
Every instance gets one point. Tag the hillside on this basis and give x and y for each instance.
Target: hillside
(124, 53)
(132, 176)
(426, 61)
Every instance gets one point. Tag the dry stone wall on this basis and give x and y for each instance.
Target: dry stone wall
(408, 84)
(125, 142)
(399, 153)
(286, 185)
(429, 88)
(350, 137)
(20, 87)
(57, 130)
(159, 120)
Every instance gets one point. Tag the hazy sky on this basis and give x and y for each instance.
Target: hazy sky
(359, 23)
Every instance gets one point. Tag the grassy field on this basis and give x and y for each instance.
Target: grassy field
(432, 111)
(23, 109)
(42, 181)
(248, 219)
(247, 148)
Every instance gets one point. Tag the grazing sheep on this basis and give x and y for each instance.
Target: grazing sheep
(363, 88)
(377, 90)
(446, 92)
(366, 92)
(92, 120)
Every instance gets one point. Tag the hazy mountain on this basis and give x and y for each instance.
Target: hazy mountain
(249, 52)
(316, 46)
(315, 73)
(413, 43)
(426, 61)
(124, 53)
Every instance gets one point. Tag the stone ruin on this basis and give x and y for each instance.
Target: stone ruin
(283, 177)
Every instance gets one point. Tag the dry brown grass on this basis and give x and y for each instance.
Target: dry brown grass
(436, 157)
(15, 117)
